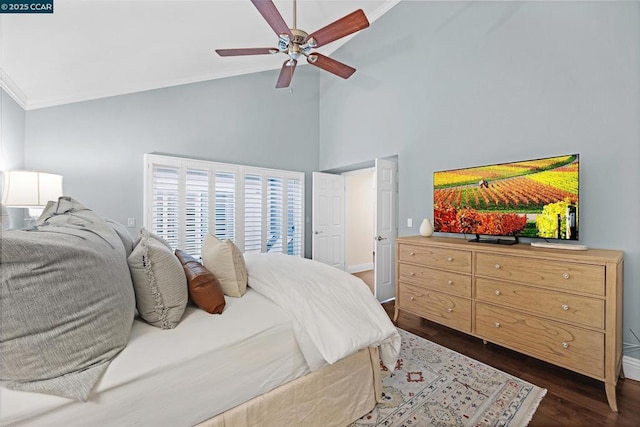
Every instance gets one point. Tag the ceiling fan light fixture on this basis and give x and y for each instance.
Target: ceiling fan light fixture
(283, 45)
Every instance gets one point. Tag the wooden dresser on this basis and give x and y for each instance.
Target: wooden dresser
(560, 306)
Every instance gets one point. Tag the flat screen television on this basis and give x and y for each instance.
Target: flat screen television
(532, 198)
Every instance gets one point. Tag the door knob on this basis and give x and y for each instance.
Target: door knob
(380, 238)
(317, 232)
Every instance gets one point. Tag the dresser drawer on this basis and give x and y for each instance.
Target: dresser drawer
(558, 305)
(445, 281)
(445, 309)
(449, 259)
(555, 342)
(564, 276)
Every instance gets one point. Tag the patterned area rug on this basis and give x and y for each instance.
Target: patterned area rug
(435, 386)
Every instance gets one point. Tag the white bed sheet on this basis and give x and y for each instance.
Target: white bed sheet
(183, 376)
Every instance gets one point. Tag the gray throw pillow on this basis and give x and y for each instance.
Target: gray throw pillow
(159, 281)
(66, 302)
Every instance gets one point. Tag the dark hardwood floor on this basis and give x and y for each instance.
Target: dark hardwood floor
(571, 399)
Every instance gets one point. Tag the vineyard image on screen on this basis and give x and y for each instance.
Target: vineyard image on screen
(533, 198)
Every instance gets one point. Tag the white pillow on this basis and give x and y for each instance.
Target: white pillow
(226, 262)
(159, 282)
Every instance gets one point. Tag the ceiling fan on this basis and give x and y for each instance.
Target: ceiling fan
(295, 42)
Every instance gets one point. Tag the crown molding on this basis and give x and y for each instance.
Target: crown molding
(9, 86)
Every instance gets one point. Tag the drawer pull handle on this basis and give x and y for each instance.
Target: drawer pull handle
(450, 282)
(497, 324)
(565, 344)
(497, 266)
(565, 307)
(449, 259)
(565, 275)
(450, 310)
(497, 292)
(412, 274)
(412, 253)
(411, 298)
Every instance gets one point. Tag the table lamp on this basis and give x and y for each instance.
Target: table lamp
(31, 190)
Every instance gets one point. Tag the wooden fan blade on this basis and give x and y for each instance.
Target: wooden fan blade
(286, 73)
(330, 65)
(355, 21)
(250, 51)
(270, 13)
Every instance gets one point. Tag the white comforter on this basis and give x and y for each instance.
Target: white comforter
(334, 313)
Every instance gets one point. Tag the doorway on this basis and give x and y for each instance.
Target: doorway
(355, 221)
(360, 208)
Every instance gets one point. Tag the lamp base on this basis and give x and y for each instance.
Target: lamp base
(30, 221)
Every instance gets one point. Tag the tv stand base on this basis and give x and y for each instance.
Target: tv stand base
(496, 241)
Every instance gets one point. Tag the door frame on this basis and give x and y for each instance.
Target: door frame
(355, 168)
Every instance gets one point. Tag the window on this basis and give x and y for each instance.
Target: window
(261, 210)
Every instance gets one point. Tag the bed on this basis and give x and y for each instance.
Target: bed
(302, 346)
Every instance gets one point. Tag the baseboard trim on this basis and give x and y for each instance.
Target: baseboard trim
(357, 268)
(631, 367)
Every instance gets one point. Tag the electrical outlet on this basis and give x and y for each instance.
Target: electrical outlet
(409, 222)
(131, 222)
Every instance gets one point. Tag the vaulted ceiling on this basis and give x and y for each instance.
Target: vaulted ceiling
(90, 49)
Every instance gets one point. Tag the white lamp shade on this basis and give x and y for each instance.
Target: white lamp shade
(30, 189)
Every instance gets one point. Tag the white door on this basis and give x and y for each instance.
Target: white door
(328, 219)
(386, 229)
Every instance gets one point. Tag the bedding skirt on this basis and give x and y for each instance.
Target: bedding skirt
(336, 395)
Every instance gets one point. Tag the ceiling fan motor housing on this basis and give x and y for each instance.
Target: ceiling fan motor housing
(296, 47)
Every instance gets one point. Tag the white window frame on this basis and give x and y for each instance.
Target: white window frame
(240, 171)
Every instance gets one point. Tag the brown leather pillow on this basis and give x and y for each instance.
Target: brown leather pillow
(204, 287)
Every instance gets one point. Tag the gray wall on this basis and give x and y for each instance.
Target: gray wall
(12, 122)
(451, 84)
(98, 145)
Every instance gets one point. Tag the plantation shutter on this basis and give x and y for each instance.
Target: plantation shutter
(225, 207)
(165, 207)
(253, 213)
(275, 215)
(295, 208)
(197, 210)
(261, 210)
